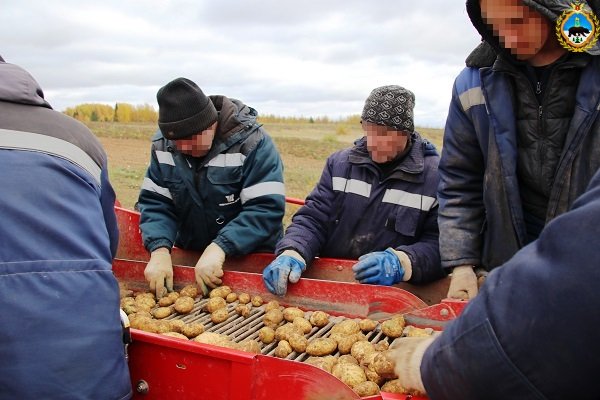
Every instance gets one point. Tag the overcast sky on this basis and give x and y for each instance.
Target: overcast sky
(282, 57)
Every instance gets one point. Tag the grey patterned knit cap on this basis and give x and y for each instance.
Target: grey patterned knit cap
(391, 106)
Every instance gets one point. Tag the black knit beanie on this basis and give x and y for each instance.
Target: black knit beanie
(390, 106)
(183, 109)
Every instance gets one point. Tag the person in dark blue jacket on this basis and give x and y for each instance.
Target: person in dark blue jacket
(522, 138)
(375, 201)
(214, 184)
(531, 333)
(60, 329)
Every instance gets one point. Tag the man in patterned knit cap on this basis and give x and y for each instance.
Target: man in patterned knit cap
(375, 201)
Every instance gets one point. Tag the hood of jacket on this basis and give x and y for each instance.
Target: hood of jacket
(485, 53)
(234, 116)
(18, 86)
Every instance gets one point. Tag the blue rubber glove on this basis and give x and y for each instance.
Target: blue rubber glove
(379, 268)
(288, 266)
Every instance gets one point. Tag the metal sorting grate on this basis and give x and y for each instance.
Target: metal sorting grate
(239, 328)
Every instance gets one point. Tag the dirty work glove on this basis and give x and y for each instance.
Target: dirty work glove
(407, 353)
(463, 284)
(288, 266)
(159, 272)
(383, 267)
(209, 268)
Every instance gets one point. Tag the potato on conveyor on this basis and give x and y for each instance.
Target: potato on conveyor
(350, 374)
(243, 309)
(221, 291)
(373, 376)
(384, 365)
(319, 319)
(321, 347)
(190, 291)
(176, 325)
(214, 339)
(302, 324)
(393, 386)
(272, 305)
(231, 297)
(159, 326)
(168, 300)
(192, 330)
(382, 346)
(393, 327)
(257, 301)
(361, 349)
(139, 321)
(283, 349)
(290, 313)
(161, 312)
(367, 325)
(298, 342)
(346, 327)
(249, 346)
(366, 388)
(145, 301)
(285, 331)
(347, 358)
(266, 335)
(219, 316)
(214, 304)
(131, 308)
(345, 342)
(184, 304)
(175, 335)
(273, 318)
(325, 363)
(413, 331)
(244, 298)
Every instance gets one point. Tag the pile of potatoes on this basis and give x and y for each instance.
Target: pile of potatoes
(344, 351)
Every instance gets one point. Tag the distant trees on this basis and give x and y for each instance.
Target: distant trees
(122, 112)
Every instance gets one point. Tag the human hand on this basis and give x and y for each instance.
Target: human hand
(463, 284)
(209, 268)
(159, 272)
(288, 266)
(407, 353)
(382, 267)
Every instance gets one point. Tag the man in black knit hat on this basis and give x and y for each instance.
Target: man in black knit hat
(214, 184)
(375, 201)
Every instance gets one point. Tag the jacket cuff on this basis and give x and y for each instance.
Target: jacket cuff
(158, 243)
(225, 245)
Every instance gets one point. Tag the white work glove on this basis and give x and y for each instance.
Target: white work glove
(463, 284)
(407, 353)
(159, 272)
(209, 268)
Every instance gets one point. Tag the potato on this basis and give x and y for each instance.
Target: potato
(285, 331)
(132, 309)
(292, 312)
(161, 312)
(160, 326)
(273, 318)
(176, 325)
(168, 300)
(272, 305)
(138, 320)
(319, 319)
(219, 315)
(302, 324)
(393, 327)
(345, 327)
(321, 347)
(175, 335)
(367, 325)
(125, 293)
(231, 297)
(345, 343)
(325, 363)
(249, 346)
(190, 291)
(243, 309)
(360, 349)
(393, 387)
(257, 301)
(184, 305)
(266, 335)
(366, 388)
(373, 377)
(244, 298)
(145, 302)
(347, 358)
(221, 291)
(413, 331)
(192, 330)
(350, 374)
(146, 295)
(298, 342)
(384, 365)
(125, 301)
(214, 304)
(283, 349)
(382, 346)
(215, 339)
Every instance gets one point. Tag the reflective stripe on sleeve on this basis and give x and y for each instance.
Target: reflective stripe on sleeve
(149, 185)
(262, 189)
(165, 157)
(355, 186)
(412, 200)
(471, 97)
(28, 141)
(227, 160)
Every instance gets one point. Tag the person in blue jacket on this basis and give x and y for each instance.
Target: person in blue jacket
(531, 333)
(375, 201)
(522, 138)
(60, 330)
(214, 184)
